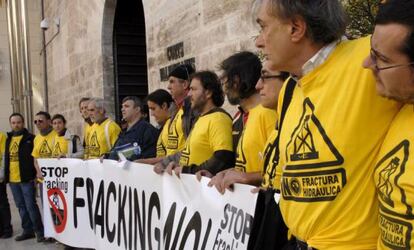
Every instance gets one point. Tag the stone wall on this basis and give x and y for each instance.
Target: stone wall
(35, 45)
(80, 60)
(74, 57)
(210, 30)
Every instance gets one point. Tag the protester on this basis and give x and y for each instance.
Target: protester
(20, 172)
(332, 129)
(6, 229)
(159, 103)
(66, 144)
(87, 125)
(209, 145)
(392, 61)
(241, 72)
(103, 133)
(182, 119)
(139, 140)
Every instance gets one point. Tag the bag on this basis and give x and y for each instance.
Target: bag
(269, 231)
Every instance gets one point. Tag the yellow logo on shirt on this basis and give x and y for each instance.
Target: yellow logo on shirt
(311, 149)
(240, 157)
(45, 150)
(94, 146)
(14, 152)
(57, 151)
(172, 142)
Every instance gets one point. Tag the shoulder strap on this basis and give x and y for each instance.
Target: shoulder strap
(290, 86)
(108, 141)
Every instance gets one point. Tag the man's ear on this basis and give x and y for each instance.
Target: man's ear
(186, 84)
(298, 28)
(164, 106)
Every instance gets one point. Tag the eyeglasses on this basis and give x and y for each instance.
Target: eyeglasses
(265, 77)
(38, 121)
(374, 58)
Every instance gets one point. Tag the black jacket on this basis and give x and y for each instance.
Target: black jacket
(142, 134)
(26, 161)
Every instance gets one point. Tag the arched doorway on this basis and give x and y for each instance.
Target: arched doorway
(129, 52)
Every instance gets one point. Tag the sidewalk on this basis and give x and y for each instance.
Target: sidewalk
(31, 244)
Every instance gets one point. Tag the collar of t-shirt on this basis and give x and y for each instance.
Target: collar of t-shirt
(319, 58)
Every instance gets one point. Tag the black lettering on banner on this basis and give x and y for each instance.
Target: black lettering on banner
(139, 219)
(390, 169)
(395, 234)
(77, 202)
(304, 153)
(132, 218)
(313, 186)
(110, 233)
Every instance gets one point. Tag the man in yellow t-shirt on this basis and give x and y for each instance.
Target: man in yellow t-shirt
(87, 125)
(20, 173)
(392, 62)
(104, 131)
(242, 71)
(6, 230)
(209, 145)
(182, 118)
(333, 127)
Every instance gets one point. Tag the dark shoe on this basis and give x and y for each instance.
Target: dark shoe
(40, 238)
(6, 235)
(24, 237)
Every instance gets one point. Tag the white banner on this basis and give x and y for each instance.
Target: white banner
(115, 205)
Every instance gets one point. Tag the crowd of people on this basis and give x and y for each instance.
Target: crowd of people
(323, 123)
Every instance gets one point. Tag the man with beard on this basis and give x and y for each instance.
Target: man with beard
(392, 62)
(209, 146)
(252, 125)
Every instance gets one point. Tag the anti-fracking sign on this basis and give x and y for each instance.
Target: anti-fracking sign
(125, 205)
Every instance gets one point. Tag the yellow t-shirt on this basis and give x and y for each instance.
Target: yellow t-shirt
(394, 180)
(14, 176)
(60, 146)
(98, 141)
(211, 132)
(2, 145)
(269, 161)
(162, 140)
(43, 145)
(259, 125)
(330, 138)
(86, 136)
(176, 137)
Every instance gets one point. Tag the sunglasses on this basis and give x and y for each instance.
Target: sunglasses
(38, 121)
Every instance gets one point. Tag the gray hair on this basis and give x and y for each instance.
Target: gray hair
(99, 103)
(326, 20)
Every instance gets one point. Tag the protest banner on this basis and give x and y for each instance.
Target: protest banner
(125, 205)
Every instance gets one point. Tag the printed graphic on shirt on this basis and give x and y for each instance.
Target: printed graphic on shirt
(308, 141)
(172, 142)
(185, 154)
(57, 151)
(240, 157)
(313, 186)
(395, 234)
(391, 167)
(14, 152)
(161, 151)
(94, 146)
(270, 162)
(45, 150)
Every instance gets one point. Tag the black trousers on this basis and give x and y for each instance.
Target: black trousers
(5, 215)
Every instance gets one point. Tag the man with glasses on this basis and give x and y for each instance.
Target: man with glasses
(332, 129)
(252, 125)
(20, 173)
(392, 62)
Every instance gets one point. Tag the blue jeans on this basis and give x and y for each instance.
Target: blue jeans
(24, 195)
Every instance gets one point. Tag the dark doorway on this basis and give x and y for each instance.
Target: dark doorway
(130, 53)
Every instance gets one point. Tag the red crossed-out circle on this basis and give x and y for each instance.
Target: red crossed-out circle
(58, 228)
